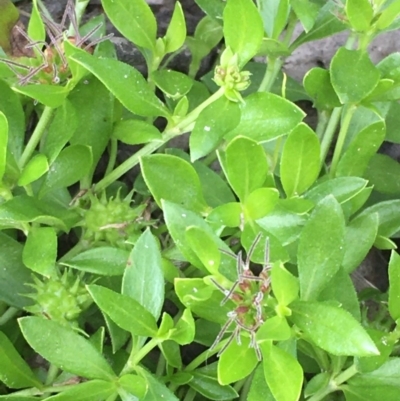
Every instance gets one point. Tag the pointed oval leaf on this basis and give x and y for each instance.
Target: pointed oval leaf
(284, 285)
(236, 362)
(321, 249)
(125, 311)
(125, 83)
(176, 31)
(353, 75)
(105, 261)
(36, 29)
(134, 384)
(173, 83)
(300, 161)
(34, 169)
(49, 95)
(283, 373)
(40, 250)
(14, 371)
(134, 19)
(143, 278)
(325, 324)
(65, 348)
(359, 14)
(246, 166)
(243, 29)
(260, 202)
(134, 132)
(174, 179)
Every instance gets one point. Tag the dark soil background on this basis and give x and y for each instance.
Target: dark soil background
(373, 271)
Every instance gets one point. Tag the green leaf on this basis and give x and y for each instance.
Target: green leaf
(156, 389)
(176, 31)
(92, 390)
(317, 83)
(388, 15)
(320, 251)
(394, 286)
(204, 381)
(174, 84)
(64, 348)
(243, 29)
(342, 188)
(226, 215)
(283, 373)
(325, 324)
(171, 353)
(265, 116)
(95, 117)
(387, 374)
(300, 161)
(49, 95)
(306, 11)
(104, 261)
(211, 8)
(128, 313)
(172, 178)
(275, 328)
(134, 19)
(60, 131)
(353, 75)
(143, 278)
(9, 17)
(14, 371)
(10, 106)
(72, 164)
(236, 362)
(134, 385)
(359, 14)
(13, 274)
(388, 216)
(125, 83)
(383, 173)
(245, 166)
(3, 143)
(358, 240)
(135, 132)
(285, 286)
(260, 202)
(215, 121)
(362, 148)
(40, 250)
(36, 29)
(357, 393)
(275, 15)
(34, 169)
(184, 328)
(259, 390)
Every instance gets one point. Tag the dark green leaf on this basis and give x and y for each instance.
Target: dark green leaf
(394, 286)
(13, 274)
(184, 329)
(156, 389)
(274, 14)
(9, 16)
(65, 348)
(259, 390)
(321, 247)
(174, 84)
(357, 393)
(105, 261)
(386, 375)
(14, 371)
(134, 19)
(172, 353)
(134, 384)
(325, 324)
(243, 29)
(383, 173)
(125, 311)
(300, 160)
(125, 83)
(353, 75)
(143, 278)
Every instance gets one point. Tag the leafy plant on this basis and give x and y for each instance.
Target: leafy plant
(111, 290)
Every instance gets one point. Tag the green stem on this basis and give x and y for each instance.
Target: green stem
(73, 251)
(273, 67)
(346, 375)
(183, 126)
(323, 120)
(112, 155)
(136, 357)
(348, 114)
(51, 375)
(8, 315)
(246, 388)
(329, 133)
(37, 134)
(190, 395)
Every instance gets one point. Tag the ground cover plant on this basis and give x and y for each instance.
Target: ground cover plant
(221, 273)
